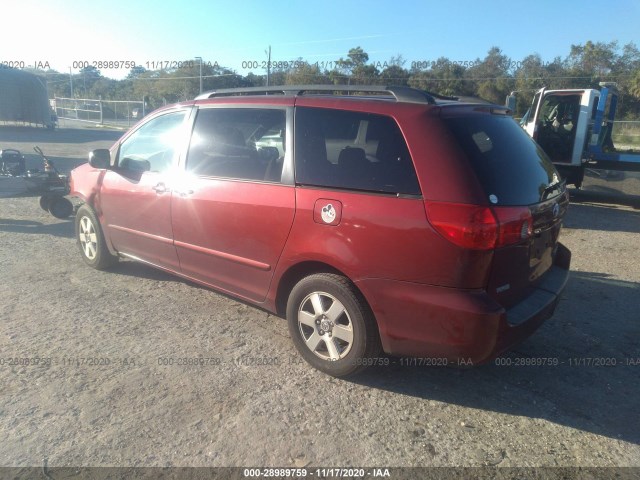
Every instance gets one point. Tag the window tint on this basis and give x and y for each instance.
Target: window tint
(243, 143)
(343, 127)
(375, 131)
(511, 167)
(326, 159)
(153, 146)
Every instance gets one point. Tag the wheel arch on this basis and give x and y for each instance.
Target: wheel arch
(297, 272)
(103, 257)
(364, 341)
(91, 205)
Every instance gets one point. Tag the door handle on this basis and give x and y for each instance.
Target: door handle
(184, 193)
(160, 188)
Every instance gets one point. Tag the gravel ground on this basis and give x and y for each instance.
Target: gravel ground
(111, 397)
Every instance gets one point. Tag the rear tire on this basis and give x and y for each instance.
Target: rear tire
(331, 325)
(91, 243)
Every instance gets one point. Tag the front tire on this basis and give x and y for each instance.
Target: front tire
(44, 203)
(91, 243)
(331, 324)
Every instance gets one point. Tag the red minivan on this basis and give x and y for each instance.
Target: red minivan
(373, 218)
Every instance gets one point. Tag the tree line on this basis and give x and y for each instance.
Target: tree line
(491, 78)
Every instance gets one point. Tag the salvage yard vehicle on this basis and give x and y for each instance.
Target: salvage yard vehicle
(48, 184)
(574, 126)
(372, 218)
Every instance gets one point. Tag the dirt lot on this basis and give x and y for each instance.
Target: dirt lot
(109, 391)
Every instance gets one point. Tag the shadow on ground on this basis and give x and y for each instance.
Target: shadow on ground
(611, 218)
(64, 228)
(140, 270)
(607, 195)
(597, 323)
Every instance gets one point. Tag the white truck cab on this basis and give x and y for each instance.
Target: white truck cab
(573, 127)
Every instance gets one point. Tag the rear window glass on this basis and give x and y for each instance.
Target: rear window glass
(511, 167)
(352, 150)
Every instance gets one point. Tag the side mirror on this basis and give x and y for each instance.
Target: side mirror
(100, 158)
(511, 102)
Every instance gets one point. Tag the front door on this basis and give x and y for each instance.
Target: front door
(135, 197)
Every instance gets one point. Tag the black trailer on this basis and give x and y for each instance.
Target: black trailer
(24, 99)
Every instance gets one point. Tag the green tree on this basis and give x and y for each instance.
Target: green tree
(305, 74)
(105, 88)
(530, 77)
(627, 72)
(278, 76)
(592, 59)
(364, 75)
(136, 71)
(490, 77)
(354, 65)
(183, 83)
(443, 77)
(395, 73)
(88, 76)
(357, 57)
(254, 80)
(58, 84)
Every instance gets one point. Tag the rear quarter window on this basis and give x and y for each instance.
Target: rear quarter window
(511, 167)
(330, 153)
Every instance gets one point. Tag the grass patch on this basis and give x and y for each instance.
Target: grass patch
(626, 134)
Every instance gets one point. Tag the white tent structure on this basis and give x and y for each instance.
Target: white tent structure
(23, 98)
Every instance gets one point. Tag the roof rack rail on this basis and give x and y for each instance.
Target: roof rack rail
(401, 94)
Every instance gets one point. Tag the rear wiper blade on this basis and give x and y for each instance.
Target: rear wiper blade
(554, 186)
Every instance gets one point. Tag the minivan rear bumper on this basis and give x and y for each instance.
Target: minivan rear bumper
(463, 326)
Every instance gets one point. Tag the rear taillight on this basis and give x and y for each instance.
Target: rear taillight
(515, 225)
(479, 227)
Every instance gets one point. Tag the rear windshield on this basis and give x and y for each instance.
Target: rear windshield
(511, 167)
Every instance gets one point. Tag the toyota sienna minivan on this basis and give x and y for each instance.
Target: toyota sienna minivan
(374, 219)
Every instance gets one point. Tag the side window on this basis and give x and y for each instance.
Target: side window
(153, 146)
(242, 143)
(387, 168)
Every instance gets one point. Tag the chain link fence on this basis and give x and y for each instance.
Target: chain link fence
(119, 113)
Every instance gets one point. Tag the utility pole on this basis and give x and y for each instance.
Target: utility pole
(71, 81)
(200, 58)
(268, 52)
